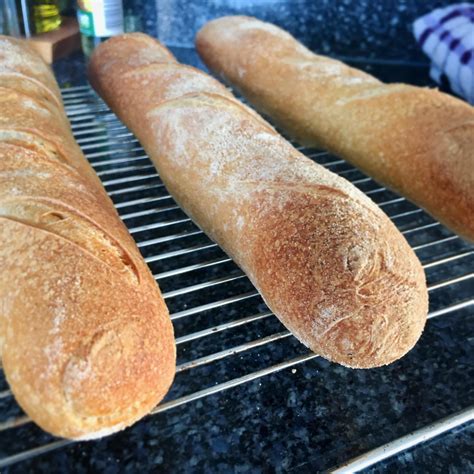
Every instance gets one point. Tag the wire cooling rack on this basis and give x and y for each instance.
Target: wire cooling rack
(199, 281)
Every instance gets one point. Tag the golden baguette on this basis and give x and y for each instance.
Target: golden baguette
(85, 337)
(416, 141)
(325, 258)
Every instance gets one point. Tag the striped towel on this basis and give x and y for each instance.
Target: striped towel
(446, 35)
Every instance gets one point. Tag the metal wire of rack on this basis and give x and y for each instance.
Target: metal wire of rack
(196, 277)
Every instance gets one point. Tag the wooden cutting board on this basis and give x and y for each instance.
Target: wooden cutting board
(58, 43)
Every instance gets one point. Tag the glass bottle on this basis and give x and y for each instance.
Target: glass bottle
(45, 15)
(38, 16)
(98, 21)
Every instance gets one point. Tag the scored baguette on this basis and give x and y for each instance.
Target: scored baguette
(86, 341)
(326, 259)
(416, 141)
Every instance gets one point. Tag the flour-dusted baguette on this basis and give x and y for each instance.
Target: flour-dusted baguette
(417, 141)
(325, 258)
(85, 337)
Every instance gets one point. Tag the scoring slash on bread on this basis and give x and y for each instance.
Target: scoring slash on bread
(86, 341)
(327, 261)
(417, 141)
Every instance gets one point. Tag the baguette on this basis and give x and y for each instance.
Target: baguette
(417, 141)
(325, 258)
(85, 338)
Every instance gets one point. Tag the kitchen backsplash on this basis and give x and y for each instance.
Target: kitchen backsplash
(346, 28)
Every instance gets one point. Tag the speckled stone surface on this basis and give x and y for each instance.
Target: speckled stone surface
(315, 415)
(300, 420)
(369, 29)
(361, 28)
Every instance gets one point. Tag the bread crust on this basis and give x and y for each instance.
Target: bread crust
(416, 141)
(85, 337)
(325, 258)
